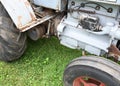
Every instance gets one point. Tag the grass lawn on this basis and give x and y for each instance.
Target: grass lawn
(42, 64)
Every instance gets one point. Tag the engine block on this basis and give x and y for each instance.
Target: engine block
(92, 25)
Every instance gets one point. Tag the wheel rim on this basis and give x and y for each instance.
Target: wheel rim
(87, 81)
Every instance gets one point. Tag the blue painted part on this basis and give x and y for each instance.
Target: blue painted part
(58, 5)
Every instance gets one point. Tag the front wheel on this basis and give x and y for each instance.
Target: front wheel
(92, 71)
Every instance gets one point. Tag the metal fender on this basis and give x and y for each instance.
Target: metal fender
(20, 12)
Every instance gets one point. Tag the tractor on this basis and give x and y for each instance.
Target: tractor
(89, 25)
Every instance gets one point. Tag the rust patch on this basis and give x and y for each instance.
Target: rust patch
(27, 3)
(19, 21)
(33, 17)
(113, 49)
(46, 12)
(114, 52)
(35, 23)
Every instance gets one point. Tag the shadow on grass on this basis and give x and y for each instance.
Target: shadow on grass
(42, 64)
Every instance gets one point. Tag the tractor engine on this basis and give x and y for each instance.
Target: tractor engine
(92, 25)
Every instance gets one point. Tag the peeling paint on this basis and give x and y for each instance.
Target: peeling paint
(19, 21)
(32, 16)
(20, 12)
(27, 3)
(35, 23)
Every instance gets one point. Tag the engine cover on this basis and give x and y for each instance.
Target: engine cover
(90, 25)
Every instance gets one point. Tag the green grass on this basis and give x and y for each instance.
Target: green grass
(42, 64)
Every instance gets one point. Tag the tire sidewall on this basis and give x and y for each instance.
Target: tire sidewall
(12, 41)
(76, 71)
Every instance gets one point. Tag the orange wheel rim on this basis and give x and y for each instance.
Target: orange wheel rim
(87, 81)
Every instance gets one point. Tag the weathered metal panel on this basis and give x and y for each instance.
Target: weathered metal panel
(37, 22)
(52, 4)
(20, 11)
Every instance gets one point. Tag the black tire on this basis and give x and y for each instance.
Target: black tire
(97, 68)
(12, 41)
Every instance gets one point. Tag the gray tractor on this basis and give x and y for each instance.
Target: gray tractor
(90, 25)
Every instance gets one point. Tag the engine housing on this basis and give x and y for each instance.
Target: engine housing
(92, 25)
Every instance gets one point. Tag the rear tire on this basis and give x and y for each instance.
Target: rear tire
(98, 71)
(12, 41)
